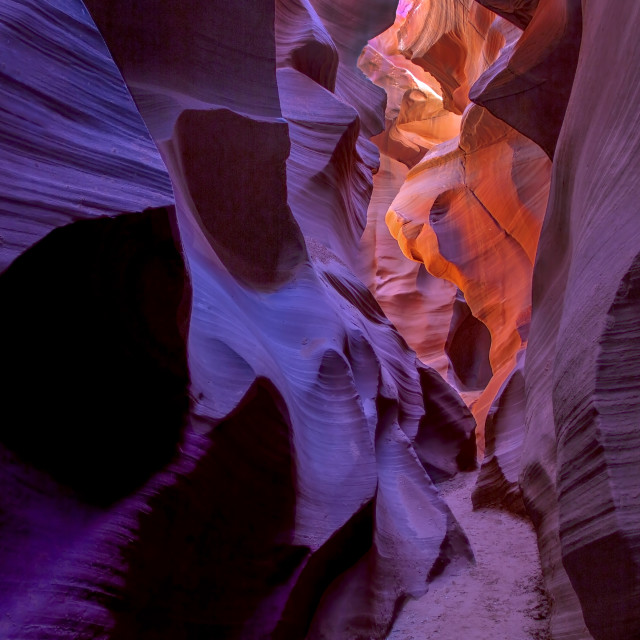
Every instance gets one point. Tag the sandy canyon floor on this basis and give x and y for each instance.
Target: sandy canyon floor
(500, 597)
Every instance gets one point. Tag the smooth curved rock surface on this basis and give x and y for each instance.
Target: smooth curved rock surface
(190, 90)
(419, 304)
(111, 360)
(460, 215)
(351, 23)
(105, 160)
(304, 44)
(467, 347)
(266, 501)
(416, 119)
(581, 449)
(497, 485)
(324, 161)
(454, 41)
(461, 176)
(529, 85)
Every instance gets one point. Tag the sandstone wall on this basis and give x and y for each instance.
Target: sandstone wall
(210, 428)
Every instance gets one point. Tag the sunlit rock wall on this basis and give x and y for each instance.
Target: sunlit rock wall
(470, 211)
(560, 439)
(210, 429)
(561, 432)
(419, 304)
(452, 40)
(470, 203)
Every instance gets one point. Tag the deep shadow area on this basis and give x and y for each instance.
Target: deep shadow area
(468, 345)
(94, 377)
(332, 559)
(214, 547)
(445, 442)
(602, 559)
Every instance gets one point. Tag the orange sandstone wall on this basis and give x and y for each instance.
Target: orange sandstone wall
(471, 205)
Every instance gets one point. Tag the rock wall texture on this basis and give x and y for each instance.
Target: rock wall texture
(463, 196)
(581, 451)
(210, 429)
(561, 421)
(471, 211)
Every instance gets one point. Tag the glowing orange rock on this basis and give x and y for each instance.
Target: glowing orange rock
(471, 211)
(419, 304)
(454, 41)
(416, 119)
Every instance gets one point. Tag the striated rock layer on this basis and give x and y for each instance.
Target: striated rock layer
(419, 304)
(211, 427)
(581, 450)
(470, 207)
(448, 39)
(566, 421)
(75, 148)
(467, 223)
(560, 430)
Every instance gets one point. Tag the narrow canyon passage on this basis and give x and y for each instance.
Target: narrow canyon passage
(501, 595)
(464, 195)
(275, 275)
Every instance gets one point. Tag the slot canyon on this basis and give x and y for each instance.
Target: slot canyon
(320, 320)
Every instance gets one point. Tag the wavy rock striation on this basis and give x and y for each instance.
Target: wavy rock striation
(85, 119)
(454, 41)
(566, 421)
(581, 449)
(257, 444)
(469, 209)
(460, 215)
(559, 437)
(419, 304)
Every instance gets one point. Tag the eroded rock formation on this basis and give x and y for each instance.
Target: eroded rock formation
(534, 74)
(254, 446)
(471, 211)
(563, 422)
(559, 435)
(470, 207)
(581, 450)
(498, 481)
(209, 426)
(418, 303)
(448, 39)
